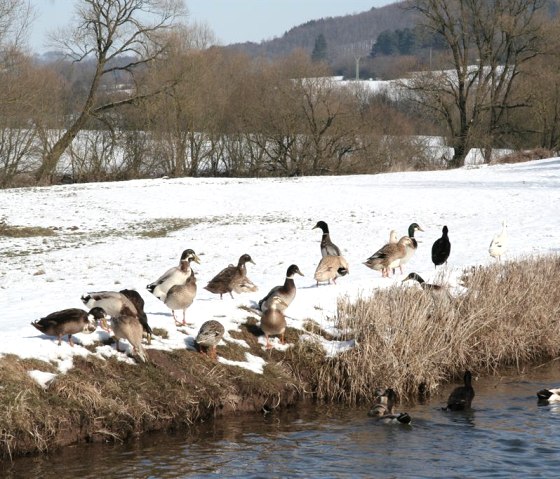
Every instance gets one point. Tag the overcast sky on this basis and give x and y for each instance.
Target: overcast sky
(231, 20)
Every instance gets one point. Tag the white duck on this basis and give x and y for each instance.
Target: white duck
(499, 244)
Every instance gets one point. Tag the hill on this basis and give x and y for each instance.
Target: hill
(343, 35)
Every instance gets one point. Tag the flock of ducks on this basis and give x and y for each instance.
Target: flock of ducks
(123, 311)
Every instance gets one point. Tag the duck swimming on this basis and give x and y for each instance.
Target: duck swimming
(461, 397)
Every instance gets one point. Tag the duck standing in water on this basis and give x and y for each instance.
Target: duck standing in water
(70, 321)
(441, 248)
(232, 278)
(287, 292)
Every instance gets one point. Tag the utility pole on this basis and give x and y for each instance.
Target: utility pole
(357, 58)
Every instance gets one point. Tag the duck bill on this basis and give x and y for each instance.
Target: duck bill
(196, 259)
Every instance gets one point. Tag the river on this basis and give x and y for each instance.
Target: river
(506, 434)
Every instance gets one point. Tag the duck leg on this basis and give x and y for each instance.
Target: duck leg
(70, 341)
(268, 344)
(59, 339)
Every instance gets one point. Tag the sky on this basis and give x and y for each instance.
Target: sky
(231, 21)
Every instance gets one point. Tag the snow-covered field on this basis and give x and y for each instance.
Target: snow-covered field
(104, 240)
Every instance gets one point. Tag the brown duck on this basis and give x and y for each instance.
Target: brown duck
(273, 321)
(68, 322)
(232, 278)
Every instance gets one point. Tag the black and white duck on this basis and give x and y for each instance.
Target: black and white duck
(173, 276)
(287, 291)
(70, 321)
(549, 395)
(126, 302)
(232, 279)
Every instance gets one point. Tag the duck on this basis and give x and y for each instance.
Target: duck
(461, 397)
(209, 335)
(233, 278)
(382, 408)
(439, 293)
(68, 322)
(138, 302)
(287, 291)
(412, 229)
(173, 276)
(273, 321)
(181, 296)
(330, 268)
(425, 286)
(124, 302)
(441, 248)
(549, 395)
(389, 256)
(328, 248)
(128, 327)
(498, 245)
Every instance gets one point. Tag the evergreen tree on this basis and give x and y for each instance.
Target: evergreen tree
(319, 53)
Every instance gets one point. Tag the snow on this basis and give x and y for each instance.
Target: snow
(102, 242)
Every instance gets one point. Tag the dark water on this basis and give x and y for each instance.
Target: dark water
(505, 435)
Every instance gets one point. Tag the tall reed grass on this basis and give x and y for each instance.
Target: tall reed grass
(509, 315)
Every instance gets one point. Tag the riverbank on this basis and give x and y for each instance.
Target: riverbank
(507, 316)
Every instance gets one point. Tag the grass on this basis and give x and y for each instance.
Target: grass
(12, 231)
(508, 317)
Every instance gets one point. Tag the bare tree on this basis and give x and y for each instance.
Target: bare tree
(487, 42)
(121, 36)
(15, 17)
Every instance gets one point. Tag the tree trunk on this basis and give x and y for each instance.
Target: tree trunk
(44, 174)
